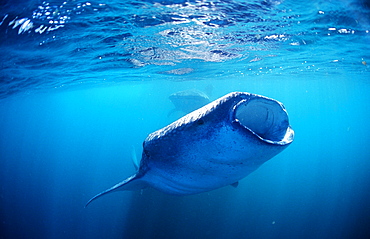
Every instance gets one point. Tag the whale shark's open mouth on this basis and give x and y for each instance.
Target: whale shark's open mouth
(264, 117)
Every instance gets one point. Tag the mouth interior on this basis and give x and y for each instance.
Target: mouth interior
(265, 117)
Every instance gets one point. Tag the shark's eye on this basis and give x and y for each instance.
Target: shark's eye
(200, 122)
(267, 118)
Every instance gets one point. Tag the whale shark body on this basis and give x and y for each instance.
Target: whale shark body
(214, 146)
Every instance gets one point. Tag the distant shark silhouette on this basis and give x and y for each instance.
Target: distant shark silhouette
(187, 101)
(214, 146)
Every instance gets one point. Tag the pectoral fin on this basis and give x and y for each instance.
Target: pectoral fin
(132, 183)
(135, 161)
(235, 184)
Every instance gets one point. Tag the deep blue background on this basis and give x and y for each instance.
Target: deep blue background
(58, 150)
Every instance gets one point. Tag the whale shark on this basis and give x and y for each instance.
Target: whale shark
(187, 101)
(212, 147)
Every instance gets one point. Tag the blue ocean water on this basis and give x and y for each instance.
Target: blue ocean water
(82, 82)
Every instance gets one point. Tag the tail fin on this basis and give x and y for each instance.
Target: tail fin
(132, 183)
